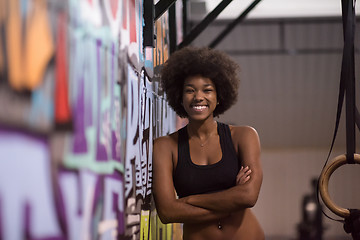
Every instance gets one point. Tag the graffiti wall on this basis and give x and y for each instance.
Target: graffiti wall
(80, 105)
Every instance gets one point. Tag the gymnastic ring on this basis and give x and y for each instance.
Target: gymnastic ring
(324, 183)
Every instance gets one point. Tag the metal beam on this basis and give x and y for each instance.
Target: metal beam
(282, 51)
(161, 7)
(172, 29)
(233, 24)
(148, 30)
(184, 18)
(204, 23)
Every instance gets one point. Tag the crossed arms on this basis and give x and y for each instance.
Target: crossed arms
(212, 206)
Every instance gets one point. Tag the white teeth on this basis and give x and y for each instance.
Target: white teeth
(199, 107)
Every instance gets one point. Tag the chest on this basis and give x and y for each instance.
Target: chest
(203, 170)
(208, 154)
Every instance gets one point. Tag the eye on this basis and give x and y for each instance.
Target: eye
(208, 90)
(188, 89)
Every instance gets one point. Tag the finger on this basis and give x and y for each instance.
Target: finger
(242, 170)
(238, 179)
(244, 180)
(243, 177)
(240, 175)
(243, 173)
(248, 172)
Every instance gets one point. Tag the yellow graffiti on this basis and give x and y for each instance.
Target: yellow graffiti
(161, 50)
(1, 54)
(144, 224)
(28, 54)
(2, 21)
(177, 231)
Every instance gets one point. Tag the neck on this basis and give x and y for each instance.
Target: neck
(202, 129)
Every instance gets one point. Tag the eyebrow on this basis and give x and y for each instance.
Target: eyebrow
(205, 85)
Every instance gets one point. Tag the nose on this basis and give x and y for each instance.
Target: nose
(198, 96)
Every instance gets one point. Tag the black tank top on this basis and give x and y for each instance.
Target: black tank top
(190, 178)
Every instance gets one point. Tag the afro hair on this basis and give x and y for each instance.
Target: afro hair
(209, 63)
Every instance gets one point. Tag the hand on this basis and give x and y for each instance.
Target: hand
(243, 176)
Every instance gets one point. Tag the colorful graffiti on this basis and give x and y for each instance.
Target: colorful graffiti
(81, 106)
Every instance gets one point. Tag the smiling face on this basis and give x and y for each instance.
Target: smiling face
(199, 97)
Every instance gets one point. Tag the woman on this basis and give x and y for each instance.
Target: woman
(214, 168)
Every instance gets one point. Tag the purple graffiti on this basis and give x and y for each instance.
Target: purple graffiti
(101, 154)
(80, 144)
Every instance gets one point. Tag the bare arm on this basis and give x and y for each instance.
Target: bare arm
(169, 208)
(242, 195)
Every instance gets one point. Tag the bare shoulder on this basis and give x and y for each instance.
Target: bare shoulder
(243, 132)
(244, 137)
(247, 144)
(165, 152)
(166, 143)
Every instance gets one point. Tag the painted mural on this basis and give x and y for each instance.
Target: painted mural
(80, 107)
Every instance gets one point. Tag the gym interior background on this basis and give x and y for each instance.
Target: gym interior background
(81, 104)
